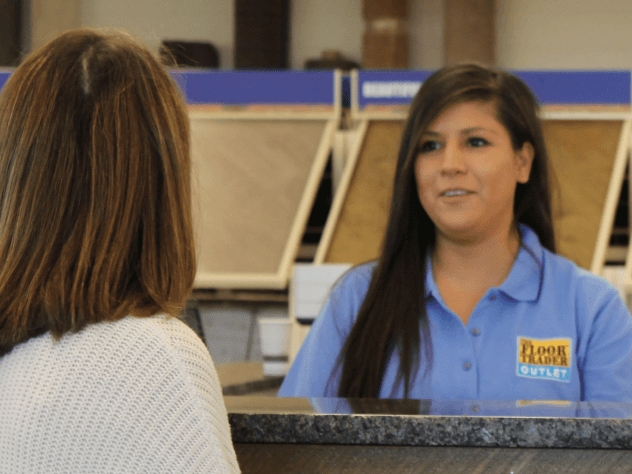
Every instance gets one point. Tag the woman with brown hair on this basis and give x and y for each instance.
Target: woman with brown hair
(468, 299)
(96, 240)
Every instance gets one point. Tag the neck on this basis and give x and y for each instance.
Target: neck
(484, 261)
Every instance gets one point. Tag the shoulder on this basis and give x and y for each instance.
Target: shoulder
(172, 350)
(564, 278)
(146, 340)
(173, 333)
(355, 282)
(564, 275)
(341, 308)
(592, 303)
(143, 350)
(348, 294)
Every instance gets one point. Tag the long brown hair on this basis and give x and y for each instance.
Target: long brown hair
(95, 212)
(393, 314)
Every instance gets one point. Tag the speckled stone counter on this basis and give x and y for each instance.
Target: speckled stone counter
(430, 423)
(285, 433)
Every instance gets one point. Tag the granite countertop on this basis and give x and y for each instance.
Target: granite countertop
(362, 422)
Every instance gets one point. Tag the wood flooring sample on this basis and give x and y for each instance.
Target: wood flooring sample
(248, 177)
(582, 156)
(360, 228)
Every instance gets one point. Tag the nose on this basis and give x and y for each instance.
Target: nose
(453, 161)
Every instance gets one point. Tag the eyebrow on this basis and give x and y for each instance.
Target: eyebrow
(465, 131)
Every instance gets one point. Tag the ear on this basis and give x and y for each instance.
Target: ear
(524, 158)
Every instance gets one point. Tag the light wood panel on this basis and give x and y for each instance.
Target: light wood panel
(582, 156)
(362, 221)
(248, 178)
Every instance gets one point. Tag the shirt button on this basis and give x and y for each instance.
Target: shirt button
(476, 408)
(467, 366)
(493, 297)
(475, 332)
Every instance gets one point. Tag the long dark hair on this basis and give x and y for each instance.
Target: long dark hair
(95, 197)
(394, 313)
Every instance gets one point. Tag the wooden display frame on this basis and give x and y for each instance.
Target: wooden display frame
(601, 246)
(330, 118)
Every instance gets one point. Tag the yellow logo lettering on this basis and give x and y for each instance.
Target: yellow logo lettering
(544, 352)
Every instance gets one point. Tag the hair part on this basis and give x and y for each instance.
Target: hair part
(95, 212)
(393, 315)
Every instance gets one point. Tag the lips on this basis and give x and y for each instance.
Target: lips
(455, 192)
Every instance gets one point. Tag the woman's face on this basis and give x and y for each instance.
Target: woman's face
(467, 172)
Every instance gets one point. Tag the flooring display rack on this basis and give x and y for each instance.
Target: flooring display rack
(260, 141)
(587, 126)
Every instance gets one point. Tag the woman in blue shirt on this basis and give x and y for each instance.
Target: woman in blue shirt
(468, 299)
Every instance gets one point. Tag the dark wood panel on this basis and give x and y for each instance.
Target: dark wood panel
(10, 32)
(261, 34)
(306, 459)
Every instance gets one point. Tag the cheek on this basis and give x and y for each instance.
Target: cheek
(423, 180)
(419, 178)
(502, 184)
(421, 174)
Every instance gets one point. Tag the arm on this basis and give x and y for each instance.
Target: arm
(315, 371)
(605, 346)
(214, 443)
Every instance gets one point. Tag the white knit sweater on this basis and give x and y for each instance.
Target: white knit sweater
(139, 395)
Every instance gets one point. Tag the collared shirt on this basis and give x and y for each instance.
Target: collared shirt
(550, 331)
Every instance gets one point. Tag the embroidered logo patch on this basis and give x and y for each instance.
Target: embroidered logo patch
(548, 359)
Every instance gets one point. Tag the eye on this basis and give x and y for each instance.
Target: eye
(477, 142)
(428, 146)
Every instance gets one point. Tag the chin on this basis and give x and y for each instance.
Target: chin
(459, 233)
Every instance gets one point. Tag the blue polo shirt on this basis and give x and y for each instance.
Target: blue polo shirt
(551, 331)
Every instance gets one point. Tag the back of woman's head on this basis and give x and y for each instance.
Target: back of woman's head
(95, 213)
(516, 108)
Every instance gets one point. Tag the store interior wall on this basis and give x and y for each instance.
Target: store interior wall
(538, 34)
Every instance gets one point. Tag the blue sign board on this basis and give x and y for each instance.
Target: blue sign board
(393, 88)
(381, 88)
(579, 87)
(243, 88)
(388, 88)
(4, 76)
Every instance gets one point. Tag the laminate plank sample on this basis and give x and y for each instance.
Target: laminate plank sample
(582, 156)
(248, 177)
(362, 221)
